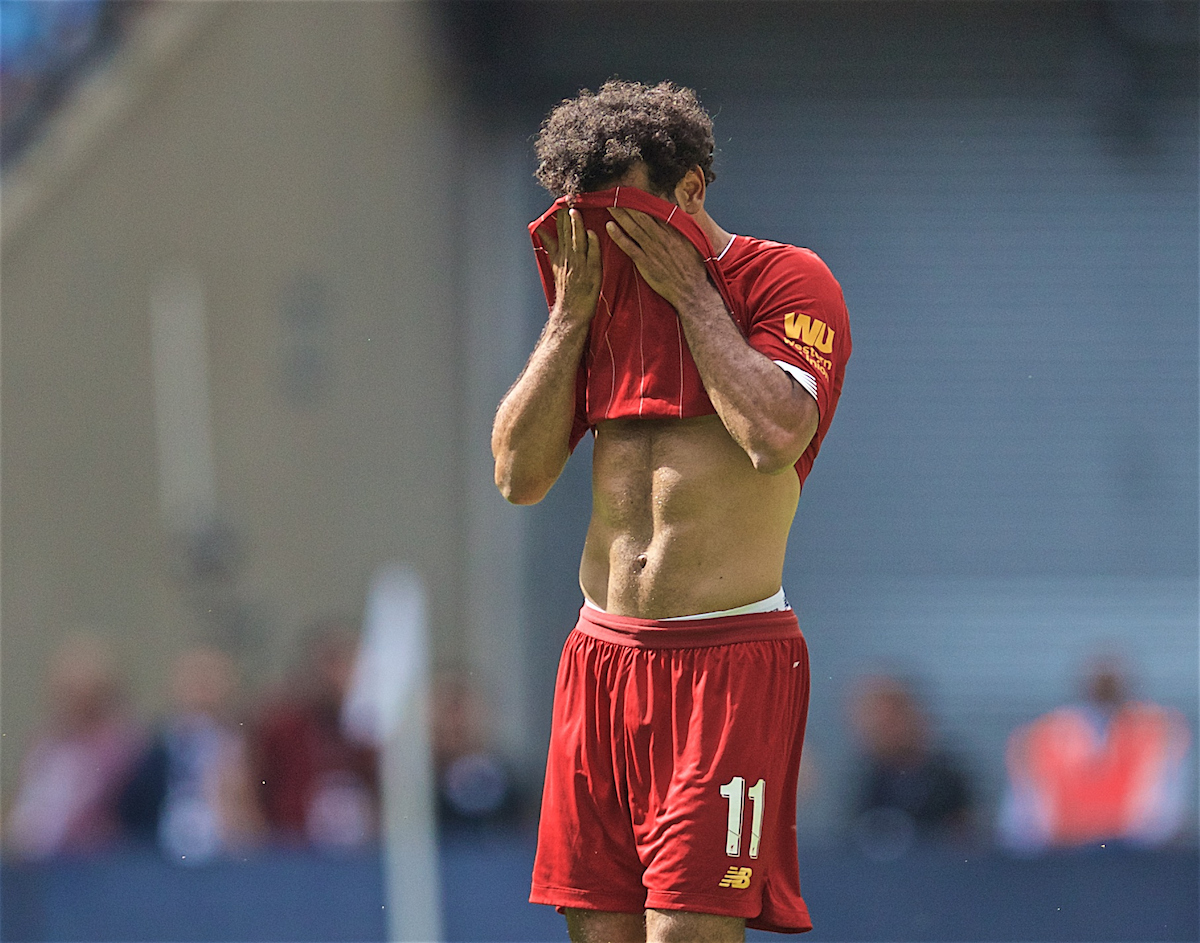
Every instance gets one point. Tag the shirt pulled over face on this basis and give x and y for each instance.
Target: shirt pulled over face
(783, 299)
(637, 363)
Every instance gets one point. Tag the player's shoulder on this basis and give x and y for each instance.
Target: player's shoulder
(750, 252)
(770, 273)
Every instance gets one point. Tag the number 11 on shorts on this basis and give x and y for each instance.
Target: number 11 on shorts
(735, 791)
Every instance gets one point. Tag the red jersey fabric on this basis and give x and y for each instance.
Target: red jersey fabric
(784, 300)
(672, 769)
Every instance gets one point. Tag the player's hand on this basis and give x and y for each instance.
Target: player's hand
(575, 260)
(665, 257)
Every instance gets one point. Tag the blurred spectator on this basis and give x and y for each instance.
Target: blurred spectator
(474, 786)
(1107, 769)
(320, 786)
(908, 791)
(75, 766)
(191, 792)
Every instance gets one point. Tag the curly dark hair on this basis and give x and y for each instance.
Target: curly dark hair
(589, 141)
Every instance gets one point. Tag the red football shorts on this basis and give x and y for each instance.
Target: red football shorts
(671, 778)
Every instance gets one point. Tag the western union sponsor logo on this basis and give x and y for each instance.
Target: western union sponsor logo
(737, 878)
(810, 331)
(815, 360)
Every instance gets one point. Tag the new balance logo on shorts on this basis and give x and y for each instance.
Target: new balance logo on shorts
(736, 877)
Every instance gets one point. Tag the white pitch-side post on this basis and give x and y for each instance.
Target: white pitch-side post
(389, 705)
(183, 426)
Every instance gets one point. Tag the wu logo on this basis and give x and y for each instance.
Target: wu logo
(737, 878)
(810, 331)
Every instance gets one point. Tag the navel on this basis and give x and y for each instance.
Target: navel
(641, 560)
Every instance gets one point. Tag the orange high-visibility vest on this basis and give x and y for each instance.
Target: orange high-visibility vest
(1090, 784)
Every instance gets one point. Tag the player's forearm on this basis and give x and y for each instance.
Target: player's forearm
(532, 429)
(768, 414)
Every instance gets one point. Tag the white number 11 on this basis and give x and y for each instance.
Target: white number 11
(735, 791)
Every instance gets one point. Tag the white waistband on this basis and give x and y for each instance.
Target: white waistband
(774, 603)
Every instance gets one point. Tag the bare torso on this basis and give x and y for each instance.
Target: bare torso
(682, 523)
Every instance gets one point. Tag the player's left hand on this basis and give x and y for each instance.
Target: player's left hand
(665, 258)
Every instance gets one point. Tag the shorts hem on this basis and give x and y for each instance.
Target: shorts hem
(563, 897)
(724, 907)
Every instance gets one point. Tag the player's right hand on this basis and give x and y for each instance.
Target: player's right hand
(575, 259)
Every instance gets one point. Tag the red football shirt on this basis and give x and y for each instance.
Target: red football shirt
(784, 300)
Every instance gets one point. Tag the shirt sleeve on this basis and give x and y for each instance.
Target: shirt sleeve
(803, 377)
(798, 319)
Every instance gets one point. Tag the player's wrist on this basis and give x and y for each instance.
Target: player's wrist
(571, 316)
(700, 302)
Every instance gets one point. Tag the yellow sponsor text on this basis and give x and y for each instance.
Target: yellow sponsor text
(815, 360)
(810, 331)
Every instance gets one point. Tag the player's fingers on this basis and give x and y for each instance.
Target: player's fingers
(622, 240)
(634, 222)
(578, 233)
(546, 234)
(593, 250)
(617, 228)
(562, 222)
(621, 215)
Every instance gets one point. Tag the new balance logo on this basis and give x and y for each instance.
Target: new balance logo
(737, 877)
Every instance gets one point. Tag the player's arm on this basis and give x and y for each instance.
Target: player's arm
(532, 429)
(769, 414)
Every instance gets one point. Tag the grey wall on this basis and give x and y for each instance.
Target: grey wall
(295, 158)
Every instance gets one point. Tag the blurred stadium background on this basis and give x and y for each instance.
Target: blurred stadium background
(338, 193)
